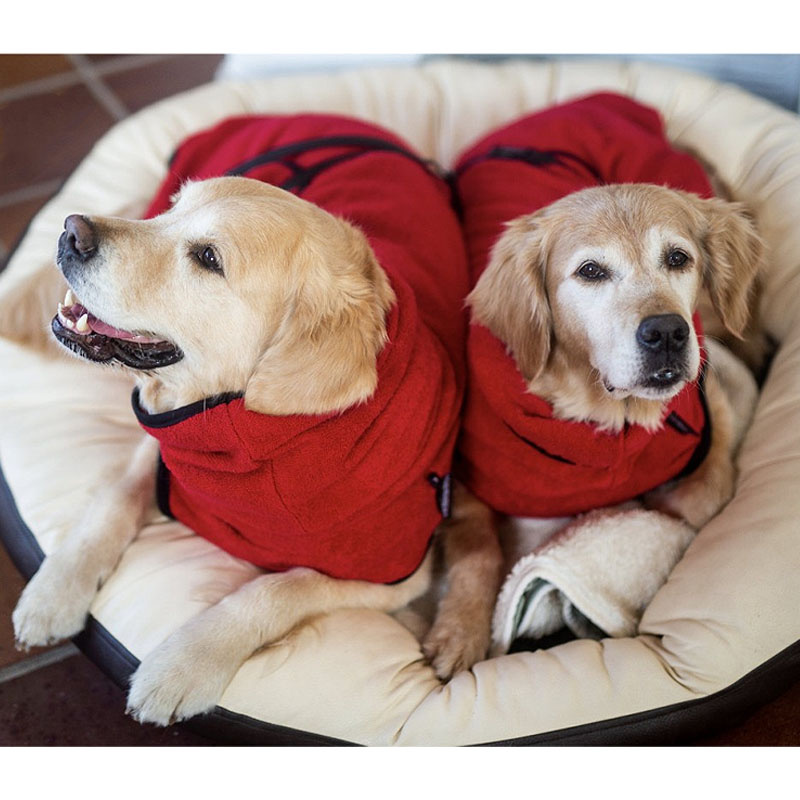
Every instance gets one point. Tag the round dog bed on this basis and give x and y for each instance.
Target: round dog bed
(720, 637)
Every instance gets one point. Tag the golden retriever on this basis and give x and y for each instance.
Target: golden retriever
(570, 289)
(249, 332)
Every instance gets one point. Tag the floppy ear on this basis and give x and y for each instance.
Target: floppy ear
(510, 297)
(324, 357)
(734, 257)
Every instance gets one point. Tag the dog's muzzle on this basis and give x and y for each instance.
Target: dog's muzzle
(86, 335)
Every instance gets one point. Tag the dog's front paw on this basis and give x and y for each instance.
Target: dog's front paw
(695, 499)
(454, 644)
(53, 606)
(183, 677)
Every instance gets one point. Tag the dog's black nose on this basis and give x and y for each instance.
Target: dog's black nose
(79, 236)
(663, 333)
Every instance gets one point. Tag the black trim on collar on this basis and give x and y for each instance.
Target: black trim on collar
(704, 445)
(176, 415)
(162, 488)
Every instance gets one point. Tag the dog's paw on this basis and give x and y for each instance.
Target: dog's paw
(454, 644)
(694, 500)
(52, 607)
(181, 678)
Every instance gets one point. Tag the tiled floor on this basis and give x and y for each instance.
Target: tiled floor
(52, 109)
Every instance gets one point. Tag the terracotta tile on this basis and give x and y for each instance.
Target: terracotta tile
(14, 220)
(107, 60)
(45, 136)
(99, 58)
(17, 69)
(141, 86)
(11, 585)
(72, 703)
(776, 724)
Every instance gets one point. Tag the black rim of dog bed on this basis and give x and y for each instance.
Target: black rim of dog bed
(679, 723)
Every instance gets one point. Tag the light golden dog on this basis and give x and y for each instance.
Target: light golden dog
(297, 323)
(594, 296)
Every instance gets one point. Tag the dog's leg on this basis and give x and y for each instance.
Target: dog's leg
(56, 601)
(701, 495)
(188, 672)
(461, 631)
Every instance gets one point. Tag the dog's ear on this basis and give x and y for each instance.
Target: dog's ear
(734, 255)
(324, 357)
(510, 297)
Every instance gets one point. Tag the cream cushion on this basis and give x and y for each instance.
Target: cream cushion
(730, 606)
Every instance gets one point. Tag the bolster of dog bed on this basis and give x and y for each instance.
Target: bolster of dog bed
(719, 636)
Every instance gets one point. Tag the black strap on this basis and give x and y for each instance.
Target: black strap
(302, 176)
(443, 484)
(703, 446)
(529, 155)
(538, 448)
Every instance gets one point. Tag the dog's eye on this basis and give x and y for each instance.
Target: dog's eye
(676, 259)
(590, 271)
(208, 258)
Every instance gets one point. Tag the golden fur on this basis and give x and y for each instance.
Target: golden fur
(574, 341)
(297, 321)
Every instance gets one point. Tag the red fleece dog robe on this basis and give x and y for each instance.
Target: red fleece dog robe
(355, 494)
(514, 455)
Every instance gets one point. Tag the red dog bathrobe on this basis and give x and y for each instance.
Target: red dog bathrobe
(514, 455)
(355, 494)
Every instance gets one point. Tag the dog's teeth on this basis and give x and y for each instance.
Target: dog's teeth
(69, 299)
(83, 324)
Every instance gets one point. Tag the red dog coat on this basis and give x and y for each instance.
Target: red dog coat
(355, 494)
(514, 454)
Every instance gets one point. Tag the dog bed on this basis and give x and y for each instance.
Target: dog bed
(718, 639)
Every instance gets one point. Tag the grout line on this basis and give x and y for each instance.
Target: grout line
(36, 662)
(64, 80)
(51, 83)
(95, 85)
(34, 192)
(121, 63)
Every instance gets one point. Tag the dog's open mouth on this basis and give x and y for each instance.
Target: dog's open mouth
(80, 331)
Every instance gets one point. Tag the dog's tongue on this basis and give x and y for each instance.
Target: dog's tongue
(70, 312)
(98, 326)
(75, 311)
